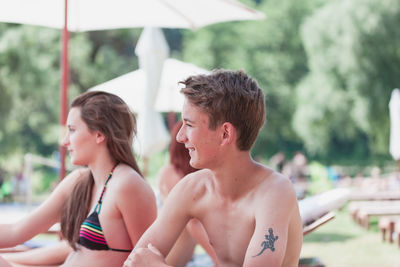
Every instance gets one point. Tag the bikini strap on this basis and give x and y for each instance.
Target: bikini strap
(120, 250)
(100, 201)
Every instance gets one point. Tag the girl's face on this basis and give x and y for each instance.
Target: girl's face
(79, 141)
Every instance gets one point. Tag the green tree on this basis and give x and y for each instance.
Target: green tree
(270, 50)
(353, 54)
(30, 80)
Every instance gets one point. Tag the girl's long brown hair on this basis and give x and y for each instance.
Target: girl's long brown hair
(108, 114)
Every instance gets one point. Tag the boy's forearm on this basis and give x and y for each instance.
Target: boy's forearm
(144, 257)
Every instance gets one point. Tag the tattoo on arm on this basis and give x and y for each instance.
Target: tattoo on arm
(268, 243)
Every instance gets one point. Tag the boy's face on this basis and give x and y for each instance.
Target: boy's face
(201, 142)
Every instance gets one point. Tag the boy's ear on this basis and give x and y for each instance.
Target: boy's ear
(100, 138)
(228, 133)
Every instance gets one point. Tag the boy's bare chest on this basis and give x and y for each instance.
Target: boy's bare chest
(230, 228)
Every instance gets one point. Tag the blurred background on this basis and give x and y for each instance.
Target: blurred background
(327, 67)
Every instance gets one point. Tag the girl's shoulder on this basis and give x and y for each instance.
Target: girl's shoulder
(126, 175)
(127, 181)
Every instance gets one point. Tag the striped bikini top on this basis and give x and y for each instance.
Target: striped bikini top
(91, 234)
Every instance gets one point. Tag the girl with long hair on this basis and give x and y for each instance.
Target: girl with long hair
(105, 207)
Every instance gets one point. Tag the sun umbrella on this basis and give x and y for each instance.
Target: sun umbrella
(131, 86)
(90, 15)
(394, 109)
(87, 15)
(152, 50)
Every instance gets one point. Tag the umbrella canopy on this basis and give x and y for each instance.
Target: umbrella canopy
(131, 86)
(394, 107)
(89, 15)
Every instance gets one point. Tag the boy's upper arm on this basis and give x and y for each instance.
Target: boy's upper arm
(267, 246)
(171, 221)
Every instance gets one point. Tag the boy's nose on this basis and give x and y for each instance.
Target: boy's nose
(180, 136)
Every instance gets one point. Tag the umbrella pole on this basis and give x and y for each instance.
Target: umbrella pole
(64, 90)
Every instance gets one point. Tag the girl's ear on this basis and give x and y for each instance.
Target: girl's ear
(100, 138)
(228, 133)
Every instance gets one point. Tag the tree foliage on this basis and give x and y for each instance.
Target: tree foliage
(353, 53)
(271, 51)
(30, 80)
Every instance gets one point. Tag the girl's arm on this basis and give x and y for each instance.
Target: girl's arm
(54, 254)
(42, 218)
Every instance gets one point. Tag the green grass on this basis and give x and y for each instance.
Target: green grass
(342, 242)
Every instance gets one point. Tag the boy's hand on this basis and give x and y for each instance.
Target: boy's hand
(145, 257)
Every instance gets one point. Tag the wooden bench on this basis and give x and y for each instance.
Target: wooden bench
(386, 227)
(379, 195)
(314, 207)
(397, 231)
(365, 213)
(355, 206)
(318, 222)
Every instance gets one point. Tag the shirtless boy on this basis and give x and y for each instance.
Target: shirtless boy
(249, 211)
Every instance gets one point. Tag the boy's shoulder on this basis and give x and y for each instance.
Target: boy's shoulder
(274, 184)
(193, 185)
(199, 177)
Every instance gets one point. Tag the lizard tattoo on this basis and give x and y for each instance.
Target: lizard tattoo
(268, 243)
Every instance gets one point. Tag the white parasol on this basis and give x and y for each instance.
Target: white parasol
(394, 108)
(131, 86)
(92, 15)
